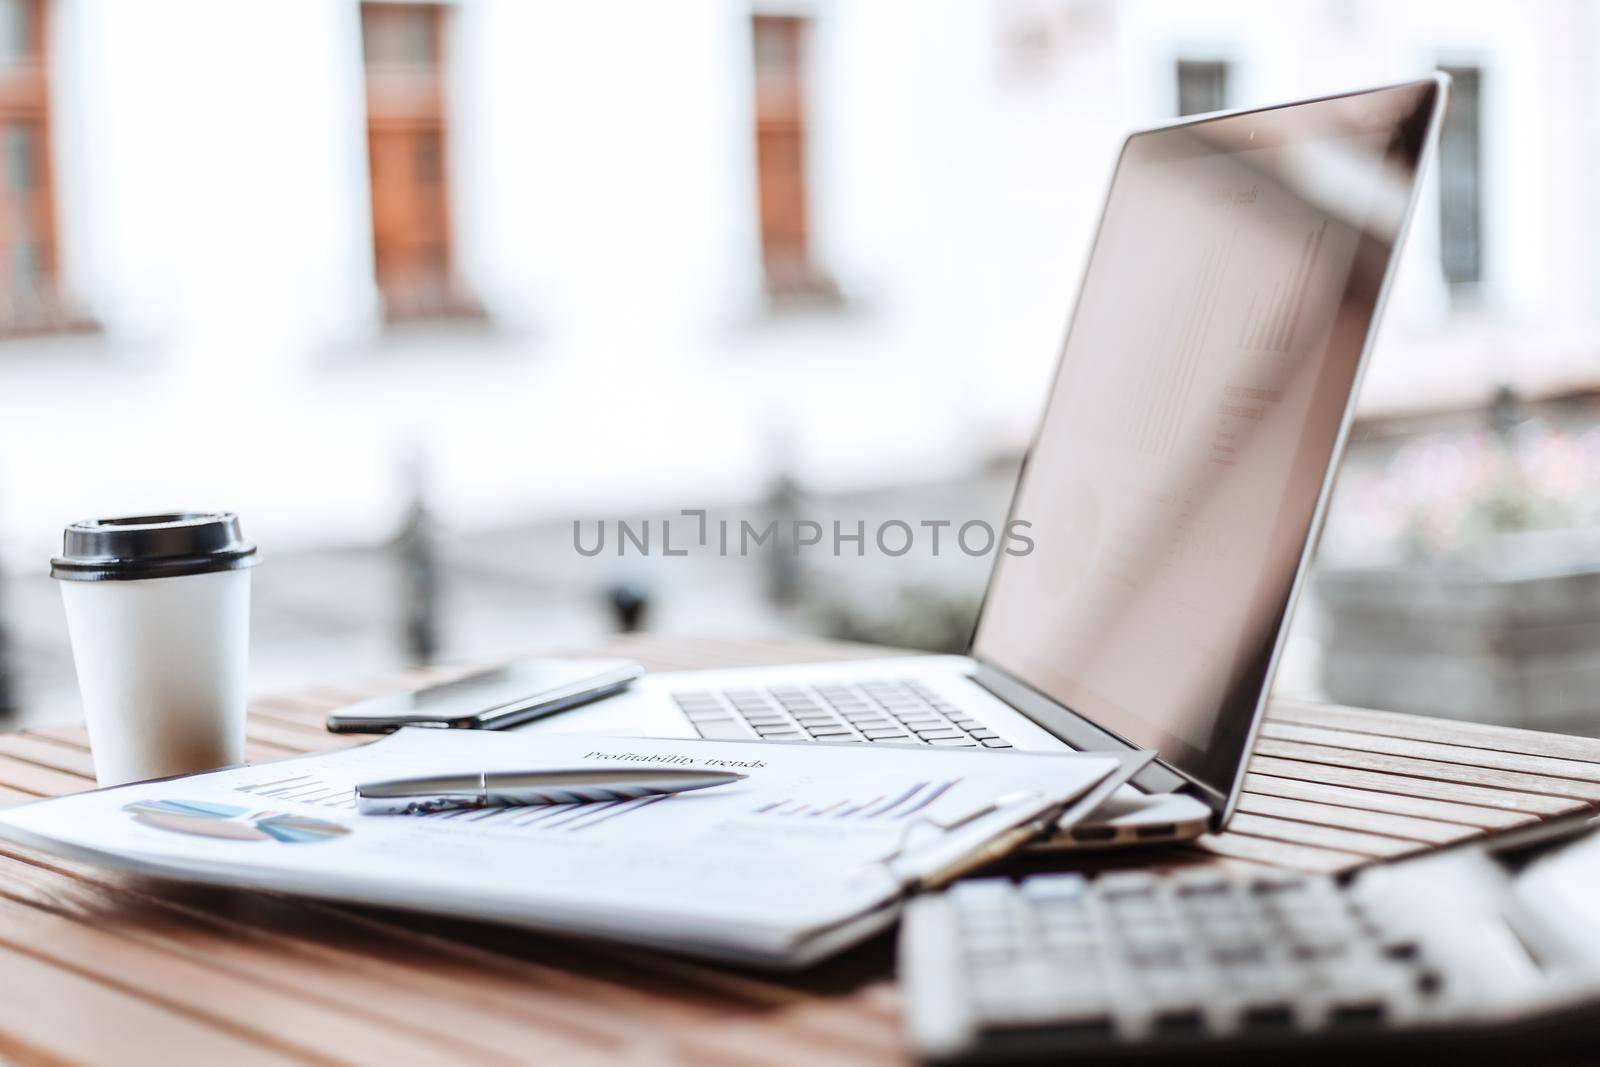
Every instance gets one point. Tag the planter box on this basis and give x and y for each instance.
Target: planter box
(1508, 635)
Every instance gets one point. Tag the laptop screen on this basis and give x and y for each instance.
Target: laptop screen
(1197, 409)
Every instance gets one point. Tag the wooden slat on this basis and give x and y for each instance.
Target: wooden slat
(310, 721)
(293, 730)
(676, 984)
(77, 738)
(8, 797)
(1279, 854)
(389, 995)
(48, 753)
(50, 1014)
(1395, 803)
(771, 1041)
(1445, 731)
(272, 1018)
(320, 701)
(1404, 785)
(75, 734)
(1317, 836)
(1435, 769)
(294, 742)
(1400, 746)
(258, 750)
(285, 704)
(40, 781)
(1426, 831)
(671, 992)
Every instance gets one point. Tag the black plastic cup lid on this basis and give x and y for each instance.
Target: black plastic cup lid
(152, 546)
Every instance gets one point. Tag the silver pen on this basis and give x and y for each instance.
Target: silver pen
(500, 789)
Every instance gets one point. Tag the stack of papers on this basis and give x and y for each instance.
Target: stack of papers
(811, 852)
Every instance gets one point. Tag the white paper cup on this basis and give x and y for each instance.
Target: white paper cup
(158, 608)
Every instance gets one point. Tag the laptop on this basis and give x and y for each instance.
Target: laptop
(1174, 488)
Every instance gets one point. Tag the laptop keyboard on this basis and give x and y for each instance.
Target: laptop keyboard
(899, 712)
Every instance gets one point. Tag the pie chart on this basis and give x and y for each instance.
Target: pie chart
(229, 822)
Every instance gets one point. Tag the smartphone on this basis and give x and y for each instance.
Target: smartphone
(492, 699)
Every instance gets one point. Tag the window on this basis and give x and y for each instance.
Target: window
(1202, 86)
(28, 302)
(407, 137)
(1461, 180)
(780, 93)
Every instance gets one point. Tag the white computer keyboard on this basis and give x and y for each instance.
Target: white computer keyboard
(1063, 965)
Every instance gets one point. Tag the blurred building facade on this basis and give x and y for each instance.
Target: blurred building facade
(594, 256)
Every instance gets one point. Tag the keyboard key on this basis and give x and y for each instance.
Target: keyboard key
(1269, 1017)
(1201, 884)
(1181, 1023)
(995, 742)
(829, 731)
(937, 732)
(1055, 887)
(875, 733)
(951, 742)
(1125, 884)
(983, 893)
(983, 735)
(876, 724)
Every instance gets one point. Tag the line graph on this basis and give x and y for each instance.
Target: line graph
(898, 803)
(304, 789)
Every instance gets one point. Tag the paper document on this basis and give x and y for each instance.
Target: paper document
(815, 838)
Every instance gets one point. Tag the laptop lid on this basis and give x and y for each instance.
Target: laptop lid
(1200, 405)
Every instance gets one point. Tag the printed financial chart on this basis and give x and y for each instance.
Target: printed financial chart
(835, 803)
(886, 806)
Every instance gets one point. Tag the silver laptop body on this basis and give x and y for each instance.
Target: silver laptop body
(1176, 483)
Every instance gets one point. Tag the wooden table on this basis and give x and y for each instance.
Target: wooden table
(98, 967)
